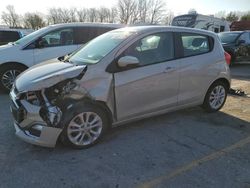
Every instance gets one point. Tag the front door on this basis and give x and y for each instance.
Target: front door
(151, 86)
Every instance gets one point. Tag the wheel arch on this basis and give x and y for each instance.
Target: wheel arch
(223, 80)
(13, 63)
(86, 100)
(102, 105)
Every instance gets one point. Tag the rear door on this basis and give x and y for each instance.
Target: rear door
(153, 85)
(194, 67)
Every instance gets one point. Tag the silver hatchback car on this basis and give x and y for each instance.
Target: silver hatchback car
(119, 77)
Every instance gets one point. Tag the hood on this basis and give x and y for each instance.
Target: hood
(6, 46)
(46, 75)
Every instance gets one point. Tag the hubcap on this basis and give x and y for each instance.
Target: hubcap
(217, 97)
(84, 128)
(9, 77)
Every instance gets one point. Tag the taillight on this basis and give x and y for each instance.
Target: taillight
(227, 58)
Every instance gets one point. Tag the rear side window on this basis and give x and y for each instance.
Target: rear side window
(9, 36)
(195, 44)
(85, 34)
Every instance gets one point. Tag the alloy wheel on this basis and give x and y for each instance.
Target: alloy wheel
(217, 97)
(85, 128)
(9, 77)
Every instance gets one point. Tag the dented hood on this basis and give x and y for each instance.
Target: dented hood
(46, 75)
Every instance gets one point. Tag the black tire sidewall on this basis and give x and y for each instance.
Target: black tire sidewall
(75, 110)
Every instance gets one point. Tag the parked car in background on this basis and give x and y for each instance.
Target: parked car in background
(200, 21)
(237, 44)
(9, 35)
(121, 76)
(44, 44)
(240, 25)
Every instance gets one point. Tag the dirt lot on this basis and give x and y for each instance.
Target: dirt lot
(188, 148)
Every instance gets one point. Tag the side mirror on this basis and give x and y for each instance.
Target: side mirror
(40, 43)
(241, 42)
(128, 61)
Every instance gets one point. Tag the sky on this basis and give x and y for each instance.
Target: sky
(176, 6)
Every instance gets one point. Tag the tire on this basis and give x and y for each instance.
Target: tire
(215, 97)
(77, 132)
(8, 74)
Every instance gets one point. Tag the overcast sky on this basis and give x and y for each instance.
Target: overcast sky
(177, 6)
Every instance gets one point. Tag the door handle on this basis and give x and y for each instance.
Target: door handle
(168, 69)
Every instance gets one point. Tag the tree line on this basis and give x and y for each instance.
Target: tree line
(126, 12)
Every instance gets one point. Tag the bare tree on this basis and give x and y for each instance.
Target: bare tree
(157, 11)
(82, 14)
(92, 14)
(220, 14)
(53, 16)
(169, 17)
(143, 7)
(232, 16)
(33, 20)
(72, 14)
(64, 15)
(10, 17)
(103, 14)
(126, 10)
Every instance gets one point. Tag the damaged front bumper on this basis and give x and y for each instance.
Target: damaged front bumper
(29, 125)
(47, 135)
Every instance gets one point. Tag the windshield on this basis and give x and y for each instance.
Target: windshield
(99, 47)
(227, 38)
(30, 36)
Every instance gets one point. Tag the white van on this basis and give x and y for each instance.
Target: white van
(200, 21)
(44, 44)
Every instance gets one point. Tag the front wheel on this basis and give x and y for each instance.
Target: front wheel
(84, 126)
(8, 75)
(215, 97)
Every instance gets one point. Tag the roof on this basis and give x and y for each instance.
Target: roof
(145, 29)
(80, 24)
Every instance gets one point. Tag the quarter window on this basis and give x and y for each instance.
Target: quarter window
(194, 44)
(152, 49)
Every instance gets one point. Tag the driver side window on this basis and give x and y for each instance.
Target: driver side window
(154, 48)
(61, 37)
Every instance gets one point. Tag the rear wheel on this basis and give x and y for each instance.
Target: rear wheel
(215, 97)
(84, 126)
(8, 74)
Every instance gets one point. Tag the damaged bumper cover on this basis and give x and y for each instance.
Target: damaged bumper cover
(29, 126)
(34, 98)
(47, 135)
